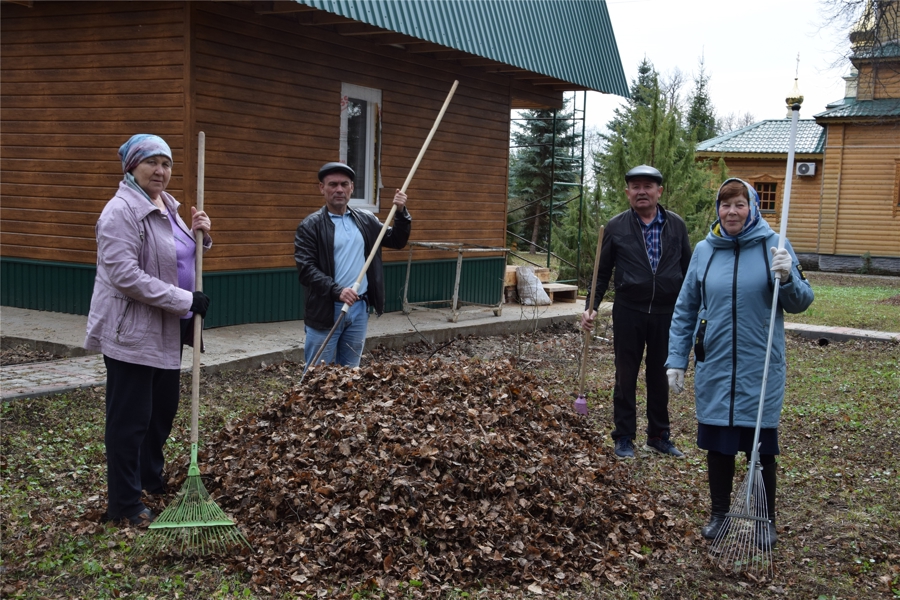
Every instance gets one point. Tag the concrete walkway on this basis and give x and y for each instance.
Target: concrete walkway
(257, 344)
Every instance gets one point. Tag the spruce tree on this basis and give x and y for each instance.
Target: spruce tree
(701, 116)
(537, 159)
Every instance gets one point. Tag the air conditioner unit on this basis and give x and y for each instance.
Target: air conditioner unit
(806, 169)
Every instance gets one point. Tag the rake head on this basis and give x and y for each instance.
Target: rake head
(193, 523)
(743, 544)
(581, 406)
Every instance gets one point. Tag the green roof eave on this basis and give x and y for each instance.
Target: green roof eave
(863, 110)
(569, 40)
(759, 155)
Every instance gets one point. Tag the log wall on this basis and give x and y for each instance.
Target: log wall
(859, 211)
(79, 79)
(267, 94)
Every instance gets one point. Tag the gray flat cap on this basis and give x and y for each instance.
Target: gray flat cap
(644, 171)
(336, 167)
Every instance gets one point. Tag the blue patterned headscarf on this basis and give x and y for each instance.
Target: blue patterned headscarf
(752, 218)
(140, 147)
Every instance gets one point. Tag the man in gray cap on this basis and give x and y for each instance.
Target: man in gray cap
(331, 247)
(649, 249)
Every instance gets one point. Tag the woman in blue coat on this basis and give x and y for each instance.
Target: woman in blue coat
(723, 312)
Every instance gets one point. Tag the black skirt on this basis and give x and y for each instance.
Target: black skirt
(731, 440)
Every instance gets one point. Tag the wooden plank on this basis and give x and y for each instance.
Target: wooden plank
(49, 253)
(100, 89)
(91, 101)
(146, 74)
(9, 214)
(561, 292)
(48, 228)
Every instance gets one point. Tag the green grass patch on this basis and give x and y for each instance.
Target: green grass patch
(852, 301)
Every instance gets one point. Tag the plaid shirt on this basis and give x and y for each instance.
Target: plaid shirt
(653, 237)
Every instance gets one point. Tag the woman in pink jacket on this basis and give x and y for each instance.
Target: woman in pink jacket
(141, 310)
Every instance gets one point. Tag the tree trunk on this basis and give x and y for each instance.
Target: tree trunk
(536, 228)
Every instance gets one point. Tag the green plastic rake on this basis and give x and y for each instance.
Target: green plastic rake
(193, 523)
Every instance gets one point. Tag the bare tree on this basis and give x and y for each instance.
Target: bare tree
(734, 121)
(670, 84)
(874, 32)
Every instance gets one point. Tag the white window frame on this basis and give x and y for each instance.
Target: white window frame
(371, 187)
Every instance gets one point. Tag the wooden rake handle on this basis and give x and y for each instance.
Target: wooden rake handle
(593, 295)
(387, 223)
(409, 177)
(198, 285)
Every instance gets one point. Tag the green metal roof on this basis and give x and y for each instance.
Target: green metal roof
(769, 137)
(865, 109)
(570, 40)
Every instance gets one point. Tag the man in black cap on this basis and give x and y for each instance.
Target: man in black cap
(649, 248)
(331, 247)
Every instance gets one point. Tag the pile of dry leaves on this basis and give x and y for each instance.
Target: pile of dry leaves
(439, 472)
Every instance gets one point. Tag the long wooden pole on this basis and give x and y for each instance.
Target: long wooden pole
(581, 401)
(198, 285)
(384, 227)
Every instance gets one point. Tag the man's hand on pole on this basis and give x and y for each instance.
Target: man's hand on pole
(348, 296)
(400, 201)
(587, 319)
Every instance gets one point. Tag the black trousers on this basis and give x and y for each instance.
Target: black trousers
(632, 332)
(141, 403)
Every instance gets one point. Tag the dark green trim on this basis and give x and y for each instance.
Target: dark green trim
(44, 285)
(249, 296)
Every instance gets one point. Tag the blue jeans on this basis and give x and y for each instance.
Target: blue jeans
(346, 345)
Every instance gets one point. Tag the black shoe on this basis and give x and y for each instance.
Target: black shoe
(715, 526)
(766, 536)
(662, 445)
(624, 447)
(142, 519)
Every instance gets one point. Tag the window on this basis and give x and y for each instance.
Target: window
(361, 141)
(766, 193)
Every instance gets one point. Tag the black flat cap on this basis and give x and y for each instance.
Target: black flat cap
(336, 167)
(644, 171)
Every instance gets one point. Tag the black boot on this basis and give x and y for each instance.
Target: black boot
(721, 477)
(768, 535)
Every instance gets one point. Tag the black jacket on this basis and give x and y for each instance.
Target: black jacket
(637, 287)
(314, 253)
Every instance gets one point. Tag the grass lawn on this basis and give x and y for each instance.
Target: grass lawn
(858, 301)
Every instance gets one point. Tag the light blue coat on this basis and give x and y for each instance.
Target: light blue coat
(729, 285)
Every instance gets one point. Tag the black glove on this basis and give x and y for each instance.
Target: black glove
(200, 304)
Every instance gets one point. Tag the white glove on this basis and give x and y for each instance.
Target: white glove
(676, 380)
(782, 263)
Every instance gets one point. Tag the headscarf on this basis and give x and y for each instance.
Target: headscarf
(140, 147)
(752, 218)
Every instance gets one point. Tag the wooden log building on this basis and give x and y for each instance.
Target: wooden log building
(279, 88)
(845, 193)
